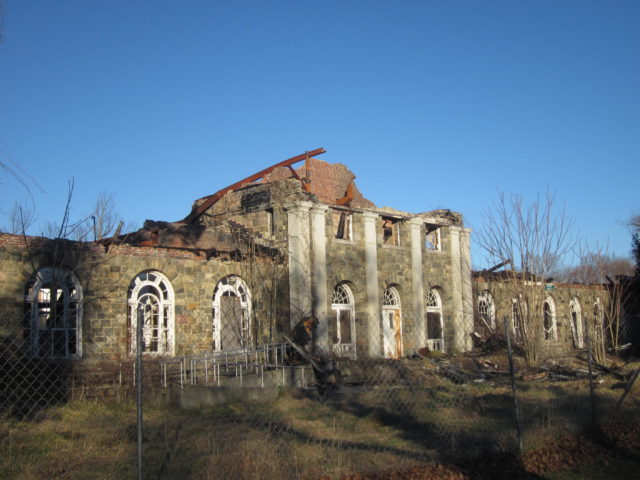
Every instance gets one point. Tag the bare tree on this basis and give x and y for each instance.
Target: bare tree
(532, 238)
(594, 267)
(21, 217)
(100, 223)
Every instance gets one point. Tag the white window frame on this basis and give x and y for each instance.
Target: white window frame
(518, 325)
(487, 309)
(237, 287)
(390, 305)
(152, 286)
(550, 334)
(342, 302)
(433, 304)
(66, 282)
(575, 319)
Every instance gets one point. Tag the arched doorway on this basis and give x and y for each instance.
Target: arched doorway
(231, 314)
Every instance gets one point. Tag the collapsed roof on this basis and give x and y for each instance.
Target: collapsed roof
(319, 181)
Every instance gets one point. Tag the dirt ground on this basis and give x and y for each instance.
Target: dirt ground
(614, 453)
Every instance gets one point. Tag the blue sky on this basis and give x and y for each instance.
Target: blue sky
(431, 104)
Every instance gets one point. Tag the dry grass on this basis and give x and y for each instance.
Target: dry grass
(298, 435)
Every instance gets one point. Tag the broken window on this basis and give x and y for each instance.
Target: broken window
(151, 302)
(231, 314)
(549, 319)
(432, 238)
(342, 322)
(486, 310)
(53, 314)
(390, 231)
(343, 225)
(435, 326)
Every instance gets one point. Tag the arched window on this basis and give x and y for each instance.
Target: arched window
(151, 302)
(486, 310)
(231, 314)
(598, 325)
(576, 322)
(435, 325)
(518, 315)
(391, 323)
(53, 314)
(549, 320)
(342, 322)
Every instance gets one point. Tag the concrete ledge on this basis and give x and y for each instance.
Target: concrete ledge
(194, 397)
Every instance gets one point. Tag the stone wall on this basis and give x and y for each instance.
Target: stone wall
(105, 278)
(503, 293)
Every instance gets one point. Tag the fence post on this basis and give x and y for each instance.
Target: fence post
(139, 340)
(512, 372)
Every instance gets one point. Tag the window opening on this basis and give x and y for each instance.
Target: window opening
(231, 311)
(518, 312)
(391, 323)
(599, 326)
(435, 326)
(549, 320)
(151, 302)
(390, 231)
(53, 314)
(271, 229)
(342, 322)
(576, 322)
(432, 238)
(486, 310)
(343, 223)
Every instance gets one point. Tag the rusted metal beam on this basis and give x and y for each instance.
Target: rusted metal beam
(196, 212)
(500, 265)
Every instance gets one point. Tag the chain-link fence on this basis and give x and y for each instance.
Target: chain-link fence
(285, 410)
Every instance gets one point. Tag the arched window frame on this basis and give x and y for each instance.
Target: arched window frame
(148, 287)
(549, 323)
(343, 310)
(236, 286)
(391, 308)
(39, 310)
(433, 307)
(519, 313)
(575, 319)
(487, 309)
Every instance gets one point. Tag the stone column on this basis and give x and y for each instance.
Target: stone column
(418, 283)
(371, 269)
(457, 319)
(467, 290)
(320, 300)
(299, 261)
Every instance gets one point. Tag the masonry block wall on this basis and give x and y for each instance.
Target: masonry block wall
(105, 278)
(572, 305)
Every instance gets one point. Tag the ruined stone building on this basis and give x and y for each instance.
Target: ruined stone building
(246, 266)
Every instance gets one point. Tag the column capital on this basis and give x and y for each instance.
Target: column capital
(369, 216)
(319, 208)
(299, 206)
(415, 222)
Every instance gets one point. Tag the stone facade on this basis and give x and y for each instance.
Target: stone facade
(569, 307)
(249, 269)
